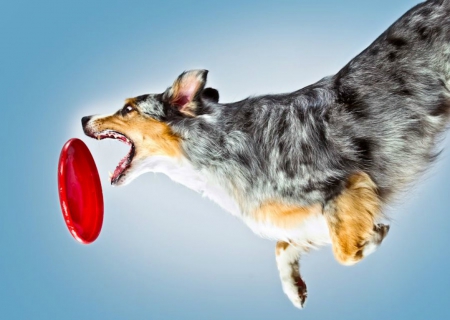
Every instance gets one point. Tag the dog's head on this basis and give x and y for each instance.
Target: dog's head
(143, 121)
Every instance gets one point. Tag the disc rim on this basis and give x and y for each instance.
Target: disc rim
(95, 182)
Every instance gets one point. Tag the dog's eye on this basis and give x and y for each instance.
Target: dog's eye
(127, 109)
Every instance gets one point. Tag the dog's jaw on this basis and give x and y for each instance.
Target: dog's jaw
(125, 166)
(131, 172)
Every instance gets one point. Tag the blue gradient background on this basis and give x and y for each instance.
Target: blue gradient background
(165, 252)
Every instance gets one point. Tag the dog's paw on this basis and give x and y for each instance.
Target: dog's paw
(296, 292)
(381, 231)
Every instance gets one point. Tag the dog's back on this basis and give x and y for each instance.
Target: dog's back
(380, 114)
(397, 92)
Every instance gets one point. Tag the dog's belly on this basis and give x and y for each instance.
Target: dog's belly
(312, 231)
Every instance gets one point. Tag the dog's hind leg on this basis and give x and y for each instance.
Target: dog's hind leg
(287, 256)
(352, 218)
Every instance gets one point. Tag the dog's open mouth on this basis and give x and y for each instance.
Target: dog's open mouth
(126, 161)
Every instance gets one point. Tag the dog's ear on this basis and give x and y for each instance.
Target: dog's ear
(211, 94)
(186, 91)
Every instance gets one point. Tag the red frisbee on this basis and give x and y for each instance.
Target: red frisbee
(80, 191)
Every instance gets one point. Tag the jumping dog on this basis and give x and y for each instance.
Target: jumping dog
(310, 167)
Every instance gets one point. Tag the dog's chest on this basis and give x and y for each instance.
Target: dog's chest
(181, 171)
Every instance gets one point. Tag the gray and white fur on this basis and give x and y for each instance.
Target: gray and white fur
(381, 114)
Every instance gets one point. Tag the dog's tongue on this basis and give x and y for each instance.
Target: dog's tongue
(120, 168)
(123, 164)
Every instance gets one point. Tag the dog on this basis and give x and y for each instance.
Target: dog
(307, 168)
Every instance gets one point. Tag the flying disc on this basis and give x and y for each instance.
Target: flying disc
(80, 191)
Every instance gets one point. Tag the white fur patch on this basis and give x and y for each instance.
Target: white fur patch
(181, 171)
(287, 263)
(370, 248)
(312, 231)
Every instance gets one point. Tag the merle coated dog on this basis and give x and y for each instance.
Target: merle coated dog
(310, 167)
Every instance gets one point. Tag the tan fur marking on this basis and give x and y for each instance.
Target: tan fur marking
(159, 138)
(131, 101)
(351, 218)
(280, 247)
(286, 216)
(149, 136)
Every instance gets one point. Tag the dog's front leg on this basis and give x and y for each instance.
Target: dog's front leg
(287, 256)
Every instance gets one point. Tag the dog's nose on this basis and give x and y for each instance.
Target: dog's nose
(85, 120)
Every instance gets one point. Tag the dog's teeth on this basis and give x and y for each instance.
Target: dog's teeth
(98, 137)
(110, 175)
